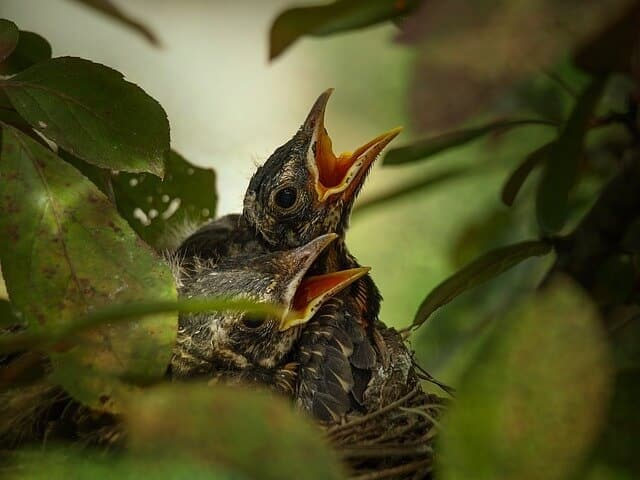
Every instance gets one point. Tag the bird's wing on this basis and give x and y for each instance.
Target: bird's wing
(336, 358)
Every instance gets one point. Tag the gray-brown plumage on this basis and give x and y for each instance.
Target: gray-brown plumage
(245, 347)
(302, 191)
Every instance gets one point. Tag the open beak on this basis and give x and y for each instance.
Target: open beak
(338, 175)
(305, 294)
(313, 291)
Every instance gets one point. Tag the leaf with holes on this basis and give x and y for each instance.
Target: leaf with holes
(533, 401)
(31, 49)
(230, 426)
(159, 210)
(423, 149)
(339, 16)
(8, 38)
(91, 111)
(479, 271)
(69, 252)
(562, 168)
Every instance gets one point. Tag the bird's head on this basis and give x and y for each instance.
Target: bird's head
(304, 190)
(243, 339)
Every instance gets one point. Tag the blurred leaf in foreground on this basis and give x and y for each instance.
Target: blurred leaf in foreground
(562, 168)
(77, 464)
(111, 10)
(91, 111)
(7, 317)
(423, 149)
(69, 252)
(534, 401)
(339, 16)
(489, 265)
(243, 430)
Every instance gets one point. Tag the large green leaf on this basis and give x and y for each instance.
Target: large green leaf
(244, 430)
(534, 400)
(31, 49)
(517, 178)
(562, 168)
(423, 149)
(8, 38)
(339, 16)
(91, 111)
(68, 253)
(490, 265)
(76, 463)
(108, 8)
(7, 316)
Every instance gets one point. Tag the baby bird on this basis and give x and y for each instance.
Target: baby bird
(241, 346)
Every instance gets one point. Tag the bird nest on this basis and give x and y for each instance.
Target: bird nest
(395, 441)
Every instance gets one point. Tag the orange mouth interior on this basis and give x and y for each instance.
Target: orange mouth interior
(333, 171)
(315, 289)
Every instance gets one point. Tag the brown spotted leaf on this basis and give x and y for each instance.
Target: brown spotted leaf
(69, 253)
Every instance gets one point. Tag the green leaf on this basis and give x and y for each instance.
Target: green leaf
(488, 266)
(617, 446)
(77, 463)
(109, 9)
(251, 432)
(517, 178)
(339, 16)
(562, 168)
(69, 252)
(31, 49)
(91, 111)
(423, 149)
(535, 398)
(159, 209)
(7, 316)
(61, 335)
(8, 38)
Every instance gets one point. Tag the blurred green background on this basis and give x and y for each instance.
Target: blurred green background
(229, 108)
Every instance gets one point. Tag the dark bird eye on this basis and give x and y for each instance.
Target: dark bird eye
(286, 197)
(252, 320)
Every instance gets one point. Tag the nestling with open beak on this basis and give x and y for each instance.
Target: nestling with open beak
(246, 346)
(301, 192)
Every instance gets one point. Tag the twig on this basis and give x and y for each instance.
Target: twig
(393, 472)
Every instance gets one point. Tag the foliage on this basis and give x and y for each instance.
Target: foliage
(91, 191)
